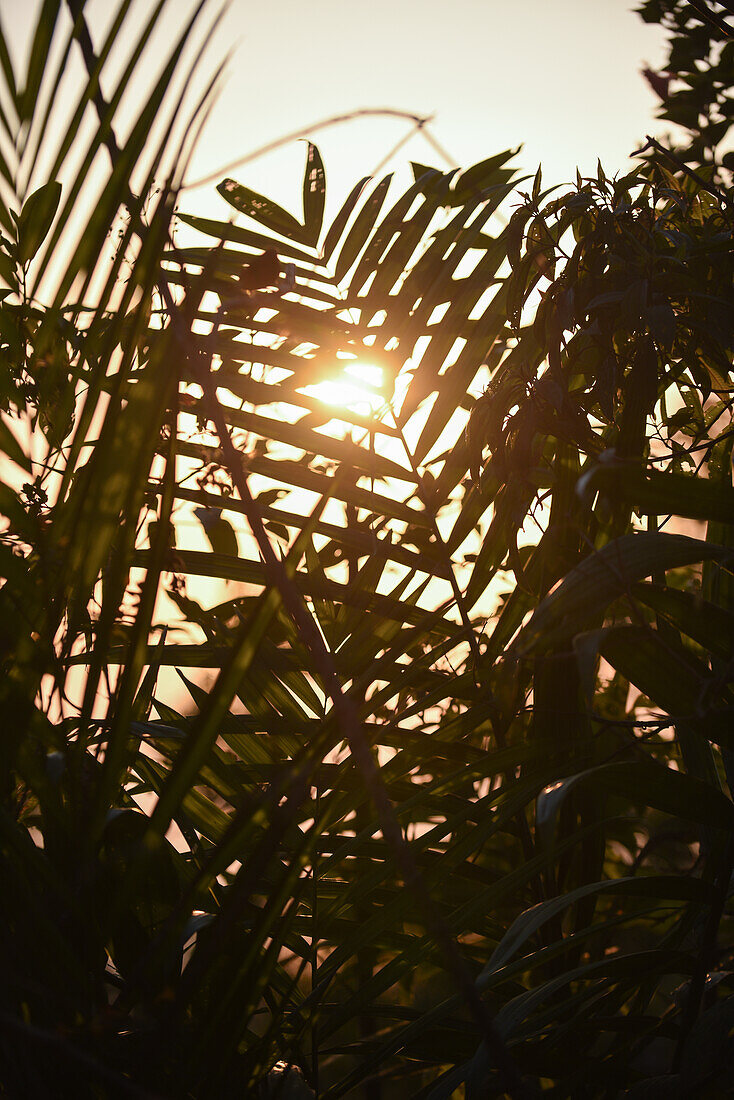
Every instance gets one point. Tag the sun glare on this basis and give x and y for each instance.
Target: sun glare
(359, 388)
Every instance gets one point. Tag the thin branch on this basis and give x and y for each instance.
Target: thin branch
(421, 123)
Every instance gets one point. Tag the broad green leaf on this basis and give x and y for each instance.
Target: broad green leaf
(11, 448)
(218, 531)
(603, 576)
(527, 924)
(35, 219)
(364, 225)
(662, 493)
(263, 210)
(37, 62)
(227, 231)
(7, 67)
(704, 1053)
(338, 226)
(706, 623)
(314, 195)
(481, 177)
(631, 968)
(677, 681)
(646, 784)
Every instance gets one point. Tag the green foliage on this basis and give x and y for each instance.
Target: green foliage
(379, 748)
(695, 85)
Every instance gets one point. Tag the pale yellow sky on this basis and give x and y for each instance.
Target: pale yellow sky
(560, 77)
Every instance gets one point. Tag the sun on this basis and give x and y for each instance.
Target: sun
(360, 388)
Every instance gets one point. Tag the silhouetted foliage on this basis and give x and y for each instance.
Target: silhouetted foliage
(380, 748)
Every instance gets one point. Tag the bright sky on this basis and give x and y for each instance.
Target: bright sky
(559, 76)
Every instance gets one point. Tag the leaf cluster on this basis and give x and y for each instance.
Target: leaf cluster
(379, 749)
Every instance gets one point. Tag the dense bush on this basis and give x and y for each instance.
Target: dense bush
(381, 748)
